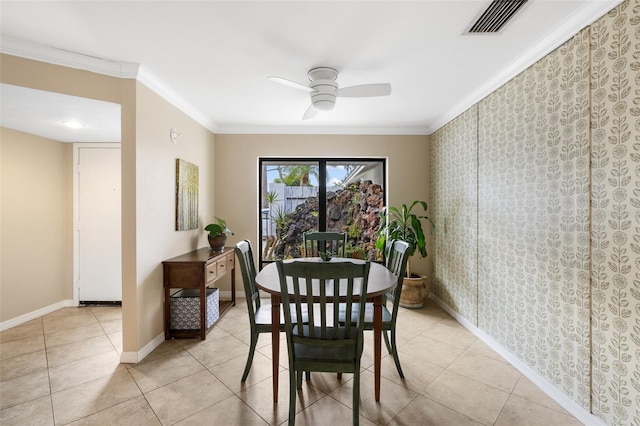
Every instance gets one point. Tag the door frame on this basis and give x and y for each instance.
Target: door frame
(76, 209)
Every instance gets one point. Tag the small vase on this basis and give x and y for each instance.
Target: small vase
(217, 243)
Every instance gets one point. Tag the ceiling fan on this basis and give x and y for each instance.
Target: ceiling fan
(323, 90)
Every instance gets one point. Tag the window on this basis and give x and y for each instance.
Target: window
(317, 194)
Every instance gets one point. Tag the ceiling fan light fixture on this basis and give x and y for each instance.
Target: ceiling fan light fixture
(324, 105)
(72, 124)
(323, 90)
(323, 101)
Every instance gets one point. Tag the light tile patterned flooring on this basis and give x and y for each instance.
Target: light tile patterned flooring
(64, 368)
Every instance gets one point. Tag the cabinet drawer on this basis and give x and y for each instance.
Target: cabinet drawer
(230, 262)
(222, 267)
(212, 272)
(182, 276)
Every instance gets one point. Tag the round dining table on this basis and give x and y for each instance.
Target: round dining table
(381, 280)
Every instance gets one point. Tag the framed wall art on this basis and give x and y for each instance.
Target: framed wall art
(186, 195)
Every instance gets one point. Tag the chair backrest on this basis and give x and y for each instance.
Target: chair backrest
(325, 242)
(244, 252)
(323, 280)
(397, 258)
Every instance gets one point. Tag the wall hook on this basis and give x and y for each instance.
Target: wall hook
(174, 135)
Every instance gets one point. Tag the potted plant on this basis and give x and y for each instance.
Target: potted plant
(217, 234)
(355, 251)
(403, 224)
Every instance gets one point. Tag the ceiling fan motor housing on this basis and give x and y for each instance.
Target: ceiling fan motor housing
(325, 88)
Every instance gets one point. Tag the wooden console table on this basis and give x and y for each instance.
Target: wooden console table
(198, 269)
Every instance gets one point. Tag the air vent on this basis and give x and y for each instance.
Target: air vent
(496, 16)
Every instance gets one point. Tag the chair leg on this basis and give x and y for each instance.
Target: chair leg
(252, 350)
(356, 396)
(394, 352)
(292, 395)
(307, 375)
(299, 380)
(386, 341)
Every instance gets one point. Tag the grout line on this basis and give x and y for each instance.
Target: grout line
(402, 346)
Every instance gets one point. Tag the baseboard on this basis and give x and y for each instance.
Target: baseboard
(226, 294)
(546, 386)
(13, 322)
(135, 357)
(125, 357)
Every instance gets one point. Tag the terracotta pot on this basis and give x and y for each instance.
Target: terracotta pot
(217, 243)
(414, 291)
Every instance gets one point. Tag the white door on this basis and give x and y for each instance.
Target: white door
(99, 270)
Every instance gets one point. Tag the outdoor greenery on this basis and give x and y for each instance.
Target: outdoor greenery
(281, 220)
(297, 175)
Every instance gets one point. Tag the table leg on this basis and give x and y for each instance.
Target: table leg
(377, 343)
(275, 343)
(203, 311)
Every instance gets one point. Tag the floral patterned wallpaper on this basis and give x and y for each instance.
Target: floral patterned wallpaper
(454, 162)
(615, 215)
(533, 210)
(551, 268)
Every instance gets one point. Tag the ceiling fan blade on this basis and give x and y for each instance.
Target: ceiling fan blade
(310, 113)
(290, 83)
(365, 90)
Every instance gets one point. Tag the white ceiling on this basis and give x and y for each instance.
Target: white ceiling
(47, 114)
(211, 58)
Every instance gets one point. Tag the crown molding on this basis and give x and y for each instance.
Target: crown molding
(540, 48)
(50, 55)
(141, 74)
(125, 70)
(335, 130)
(159, 87)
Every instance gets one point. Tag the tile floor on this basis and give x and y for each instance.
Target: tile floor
(64, 368)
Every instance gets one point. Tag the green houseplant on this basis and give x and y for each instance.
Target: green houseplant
(217, 234)
(406, 225)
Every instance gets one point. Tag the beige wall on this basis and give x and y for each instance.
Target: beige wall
(54, 78)
(155, 180)
(36, 223)
(148, 193)
(237, 171)
(537, 188)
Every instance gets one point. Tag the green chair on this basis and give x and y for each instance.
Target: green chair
(397, 257)
(259, 314)
(315, 243)
(323, 344)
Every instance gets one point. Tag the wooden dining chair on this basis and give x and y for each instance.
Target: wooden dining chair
(315, 243)
(259, 314)
(396, 262)
(323, 344)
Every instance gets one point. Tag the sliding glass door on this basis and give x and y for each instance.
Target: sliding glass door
(317, 194)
